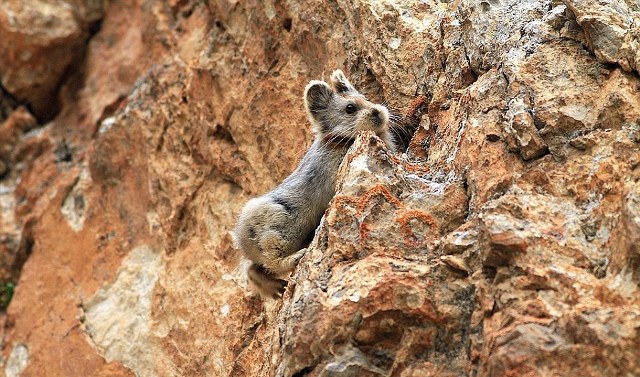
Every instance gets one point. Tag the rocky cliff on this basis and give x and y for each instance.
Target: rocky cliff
(504, 242)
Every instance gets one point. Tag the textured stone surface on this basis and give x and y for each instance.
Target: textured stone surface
(41, 41)
(130, 298)
(612, 30)
(504, 242)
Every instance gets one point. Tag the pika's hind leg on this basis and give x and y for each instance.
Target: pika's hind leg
(286, 264)
(278, 256)
(266, 283)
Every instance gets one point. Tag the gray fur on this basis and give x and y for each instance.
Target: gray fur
(274, 229)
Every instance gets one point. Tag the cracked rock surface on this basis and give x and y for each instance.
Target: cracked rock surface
(504, 241)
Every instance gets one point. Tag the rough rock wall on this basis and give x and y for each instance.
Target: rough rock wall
(504, 242)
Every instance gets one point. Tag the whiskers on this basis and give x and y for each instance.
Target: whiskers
(299, 154)
(338, 138)
(400, 129)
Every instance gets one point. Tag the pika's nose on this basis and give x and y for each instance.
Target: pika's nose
(375, 117)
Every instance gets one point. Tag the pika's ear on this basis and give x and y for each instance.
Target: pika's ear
(340, 83)
(317, 96)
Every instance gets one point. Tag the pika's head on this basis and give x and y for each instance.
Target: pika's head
(337, 109)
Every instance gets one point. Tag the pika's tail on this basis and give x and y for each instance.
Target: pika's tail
(265, 282)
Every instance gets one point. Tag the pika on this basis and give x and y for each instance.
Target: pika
(274, 230)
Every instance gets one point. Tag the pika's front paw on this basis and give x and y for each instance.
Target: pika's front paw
(265, 283)
(298, 255)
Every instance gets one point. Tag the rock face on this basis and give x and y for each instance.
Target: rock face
(505, 241)
(41, 42)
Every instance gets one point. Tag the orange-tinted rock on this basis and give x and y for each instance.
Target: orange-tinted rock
(18, 122)
(41, 41)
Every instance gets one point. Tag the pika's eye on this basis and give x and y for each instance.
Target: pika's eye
(351, 108)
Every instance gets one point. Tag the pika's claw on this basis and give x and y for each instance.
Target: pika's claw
(265, 283)
(281, 289)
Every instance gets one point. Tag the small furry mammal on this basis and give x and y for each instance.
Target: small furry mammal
(273, 230)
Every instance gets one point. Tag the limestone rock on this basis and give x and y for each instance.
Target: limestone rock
(505, 241)
(41, 40)
(611, 29)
